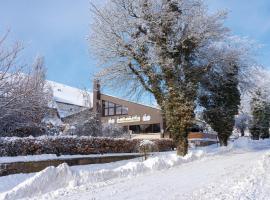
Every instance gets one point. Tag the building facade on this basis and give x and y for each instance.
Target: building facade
(142, 121)
(134, 117)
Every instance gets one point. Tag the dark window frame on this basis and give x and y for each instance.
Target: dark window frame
(108, 105)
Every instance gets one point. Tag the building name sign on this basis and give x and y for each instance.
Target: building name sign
(129, 119)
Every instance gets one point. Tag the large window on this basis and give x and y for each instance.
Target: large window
(147, 128)
(112, 109)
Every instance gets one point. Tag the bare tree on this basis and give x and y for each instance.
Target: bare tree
(24, 96)
(86, 97)
(162, 47)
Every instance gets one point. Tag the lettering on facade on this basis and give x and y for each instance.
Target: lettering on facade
(111, 121)
(146, 118)
(129, 119)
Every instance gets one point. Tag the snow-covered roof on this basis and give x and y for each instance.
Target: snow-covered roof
(71, 95)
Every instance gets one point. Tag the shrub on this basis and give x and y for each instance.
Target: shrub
(147, 146)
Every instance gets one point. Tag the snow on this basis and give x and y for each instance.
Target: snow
(54, 120)
(70, 95)
(42, 157)
(146, 143)
(239, 171)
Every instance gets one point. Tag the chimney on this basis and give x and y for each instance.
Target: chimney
(96, 98)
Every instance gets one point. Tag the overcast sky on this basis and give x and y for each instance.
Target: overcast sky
(57, 29)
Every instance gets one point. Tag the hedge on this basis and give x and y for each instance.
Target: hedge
(71, 145)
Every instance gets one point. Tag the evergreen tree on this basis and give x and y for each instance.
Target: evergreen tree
(265, 123)
(221, 98)
(261, 116)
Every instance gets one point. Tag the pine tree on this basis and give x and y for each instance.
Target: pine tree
(266, 121)
(220, 97)
(261, 116)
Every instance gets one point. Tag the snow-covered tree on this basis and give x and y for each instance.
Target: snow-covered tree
(255, 78)
(24, 95)
(242, 121)
(163, 47)
(221, 99)
(260, 108)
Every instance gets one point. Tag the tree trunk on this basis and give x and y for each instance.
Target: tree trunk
(182, 146)
(223, 139)
(242, 132)
(265, 134)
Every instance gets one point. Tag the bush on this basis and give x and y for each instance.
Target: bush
(147, 146)
(25, 131)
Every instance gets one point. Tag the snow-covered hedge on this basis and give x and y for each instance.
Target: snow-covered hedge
(73, 145)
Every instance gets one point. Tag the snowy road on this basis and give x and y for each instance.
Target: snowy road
(235, 175)
(238, 172)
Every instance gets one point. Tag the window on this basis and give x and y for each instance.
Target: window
(146, 128)
(111, 105)
(124, 110)
(118, 110)
(112, 109)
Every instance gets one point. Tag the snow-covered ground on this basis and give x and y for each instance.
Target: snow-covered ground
(240, 171)
(44, 157)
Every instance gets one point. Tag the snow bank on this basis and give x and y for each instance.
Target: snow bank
(45, 181)
(53, 178)
(44, 157)
(246, 143)
(241, 144)
(10, 181)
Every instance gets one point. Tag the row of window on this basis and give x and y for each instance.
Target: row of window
(112, 109)
(146, 128)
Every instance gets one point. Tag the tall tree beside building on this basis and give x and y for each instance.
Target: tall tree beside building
(162, 47)
(221, 99)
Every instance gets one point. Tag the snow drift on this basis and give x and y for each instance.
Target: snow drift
(45, 181)
(54, 179)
